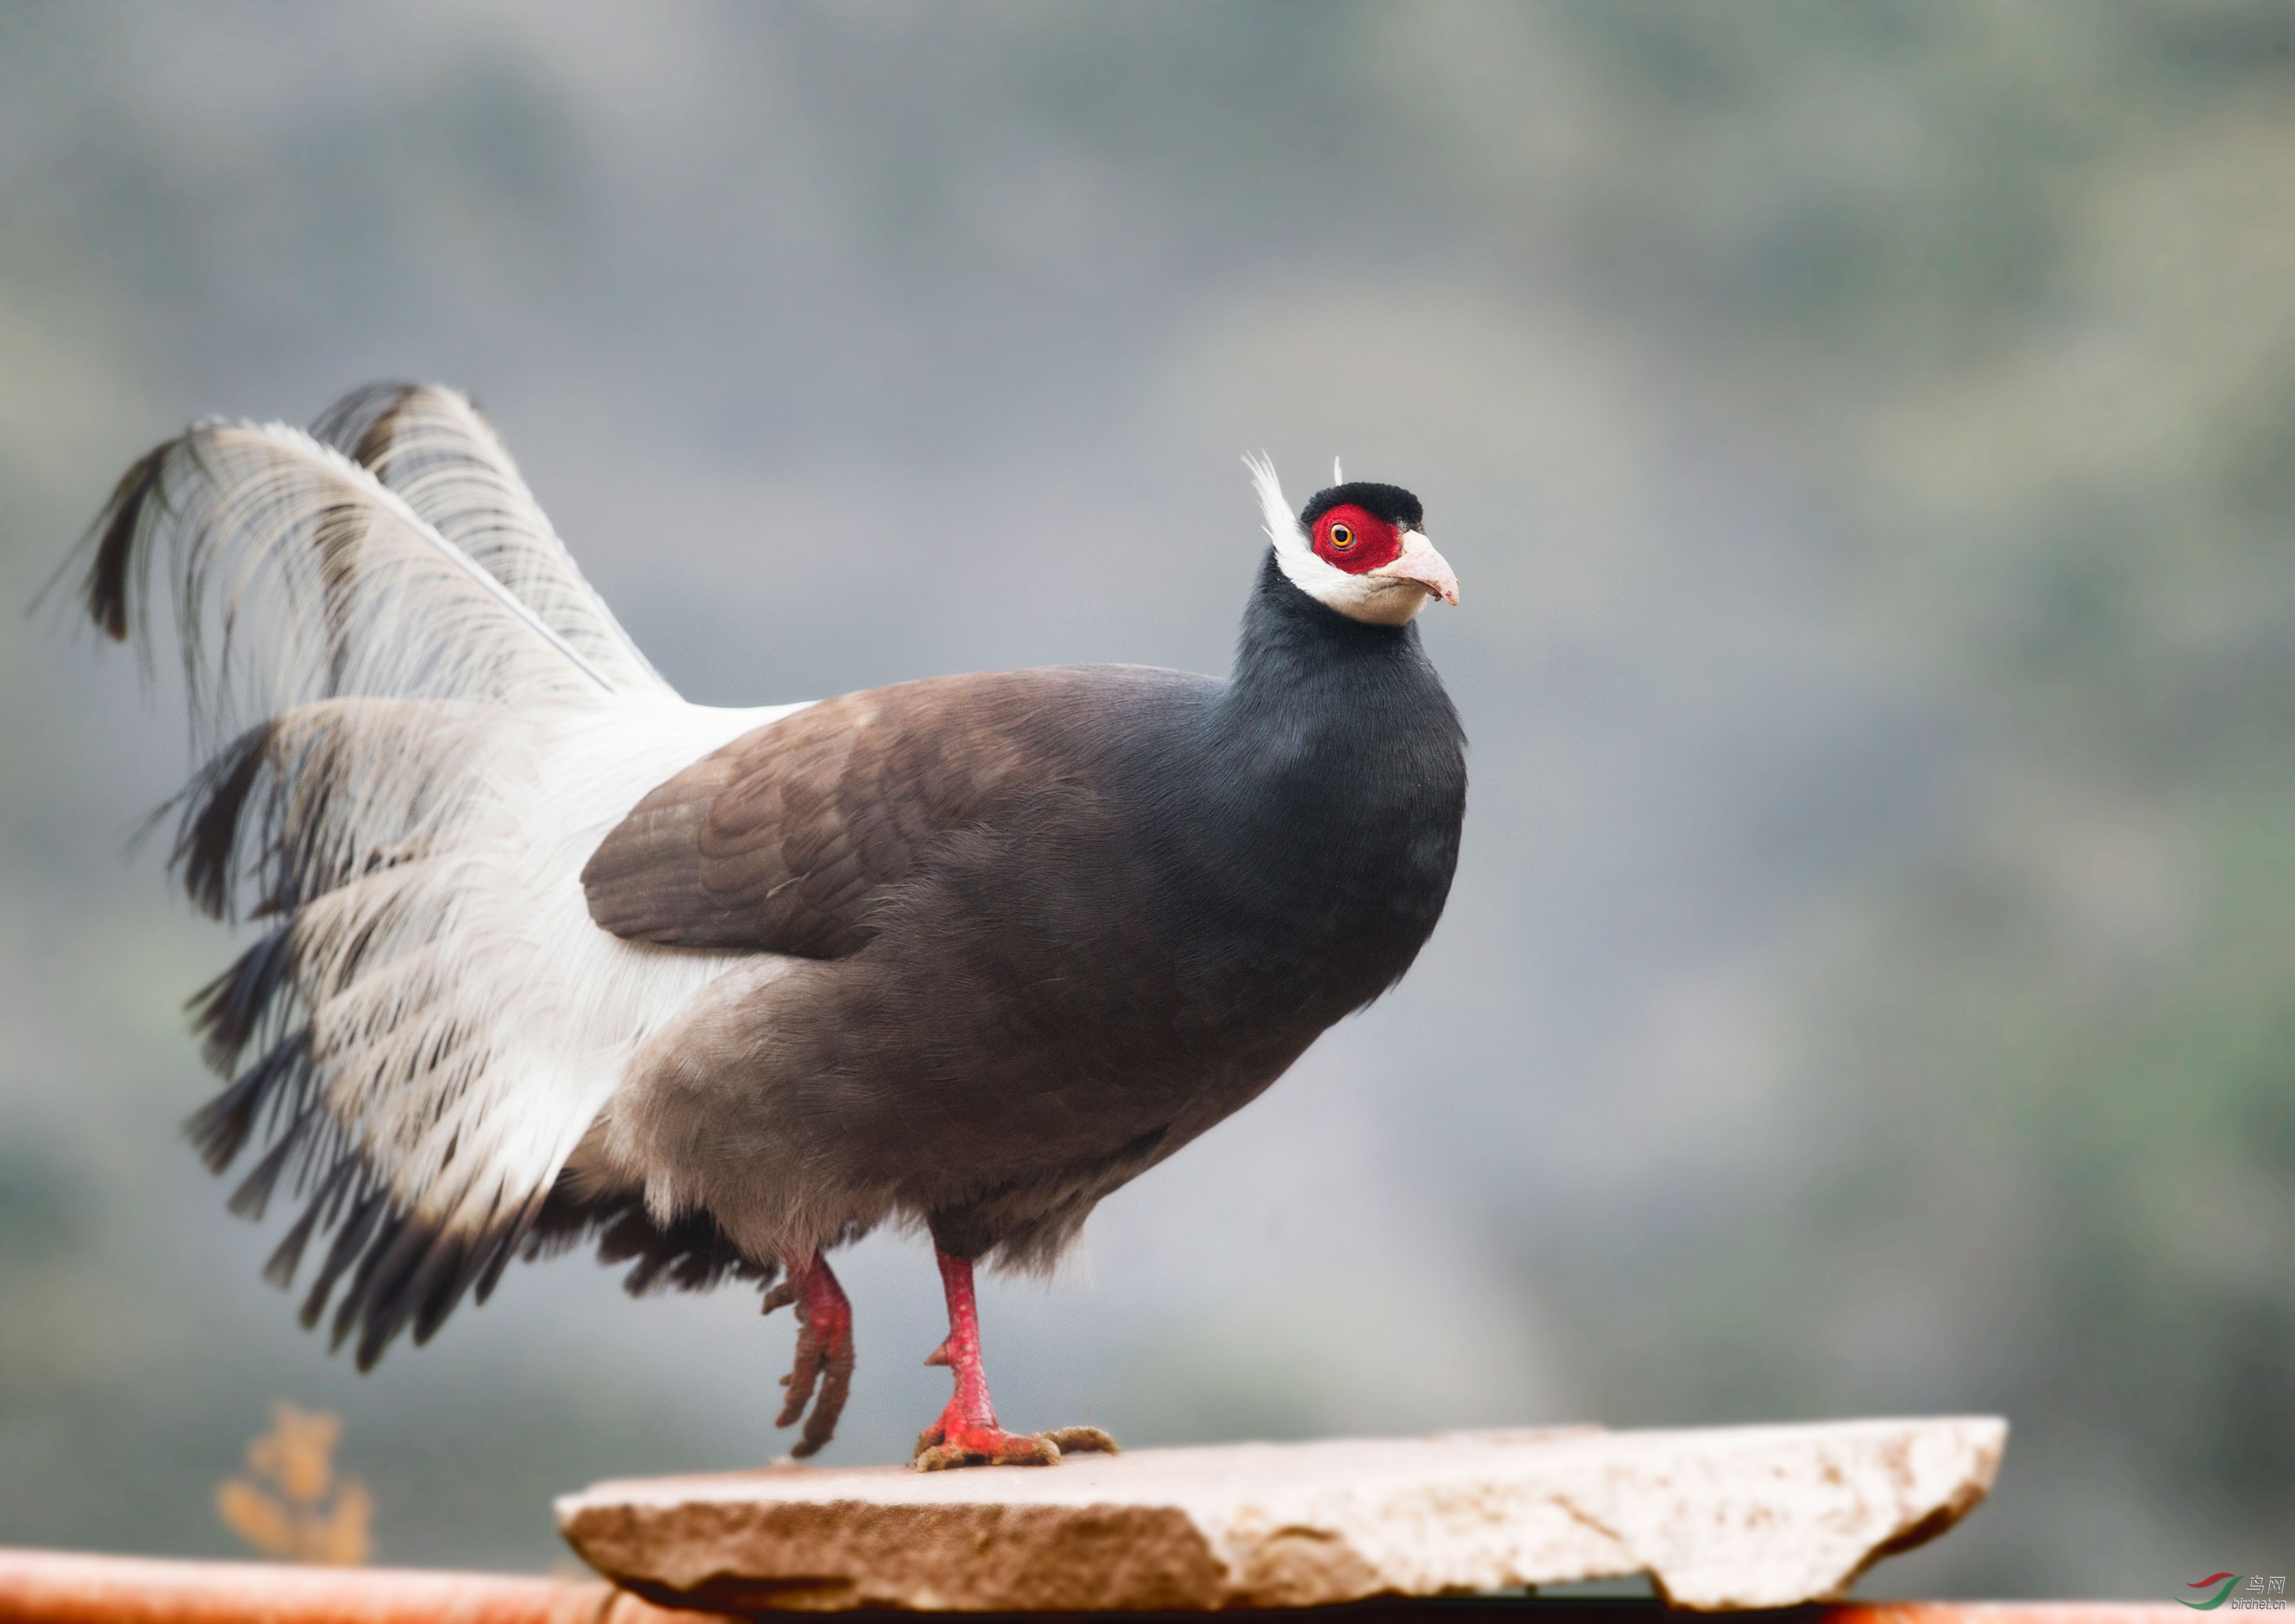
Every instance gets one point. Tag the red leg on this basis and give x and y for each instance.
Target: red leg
(824, 1351)
(967, 1434)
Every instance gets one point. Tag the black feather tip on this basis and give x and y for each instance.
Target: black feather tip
(115, 573)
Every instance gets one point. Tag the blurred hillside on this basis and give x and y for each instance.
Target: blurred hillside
(1866, 434)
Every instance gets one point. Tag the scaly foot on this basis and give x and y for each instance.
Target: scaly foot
(824, 1352)
(953, 1440)
(967, 1434)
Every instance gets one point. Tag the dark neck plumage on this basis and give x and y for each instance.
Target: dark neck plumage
(1333, 744)
(1320, 809)
(1302, 665)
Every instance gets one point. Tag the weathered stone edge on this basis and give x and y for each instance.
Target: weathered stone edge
(856, 1554)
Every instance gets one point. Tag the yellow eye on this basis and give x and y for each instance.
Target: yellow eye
(1342, 537)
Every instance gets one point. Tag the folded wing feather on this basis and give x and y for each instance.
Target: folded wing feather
(786, 839)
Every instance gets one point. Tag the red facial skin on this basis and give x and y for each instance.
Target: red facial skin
(1350, 539)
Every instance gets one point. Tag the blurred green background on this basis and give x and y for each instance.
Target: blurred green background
(1867, 437)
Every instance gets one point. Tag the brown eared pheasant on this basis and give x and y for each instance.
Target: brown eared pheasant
(549, 956)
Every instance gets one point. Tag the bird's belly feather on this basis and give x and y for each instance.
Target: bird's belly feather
(1043, 1013)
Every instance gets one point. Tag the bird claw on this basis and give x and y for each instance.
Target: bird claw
(824, 1356)
(826, 1360)
(984, 1446)
(1081, 1440)
(942, 1448)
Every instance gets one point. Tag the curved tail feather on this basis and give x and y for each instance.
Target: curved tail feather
(435, 448)
(418, 720)
(297, 576)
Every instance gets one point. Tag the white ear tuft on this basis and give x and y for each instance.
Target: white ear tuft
(1274, 513)
(1376, 600)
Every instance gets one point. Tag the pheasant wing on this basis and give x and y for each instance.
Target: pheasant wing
(786, 839)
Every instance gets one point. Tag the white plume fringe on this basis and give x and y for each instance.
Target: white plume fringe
(447, 721)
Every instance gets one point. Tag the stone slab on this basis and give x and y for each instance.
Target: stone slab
(1719, 1518)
